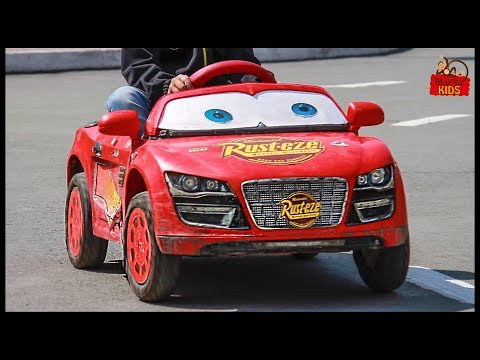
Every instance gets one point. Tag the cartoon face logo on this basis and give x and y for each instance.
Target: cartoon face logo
(444, 67)
(448, 80)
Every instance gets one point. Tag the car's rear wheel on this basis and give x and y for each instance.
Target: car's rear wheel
(152, 275)
(383, 270)
(305, 256)
(85, 250)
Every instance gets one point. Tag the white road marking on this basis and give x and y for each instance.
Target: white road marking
(461, 283)
(367, 84)
(442, 284)
(430, 119)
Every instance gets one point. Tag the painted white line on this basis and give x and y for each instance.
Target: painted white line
(367, 84)
(442, 284)
(430, 119)
(461, 283)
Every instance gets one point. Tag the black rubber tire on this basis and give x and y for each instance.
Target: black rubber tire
(305, 256)
(164, 268)
(383, 270)
(93, 249)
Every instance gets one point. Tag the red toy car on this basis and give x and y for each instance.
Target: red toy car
(239, 169)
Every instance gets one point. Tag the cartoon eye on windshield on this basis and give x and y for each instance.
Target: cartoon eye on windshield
(219, 116)
(304, 110)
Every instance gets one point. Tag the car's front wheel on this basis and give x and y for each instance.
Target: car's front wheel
(152, 275)
(383, 270)
(85, 250)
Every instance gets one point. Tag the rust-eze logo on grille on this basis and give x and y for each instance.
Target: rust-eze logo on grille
(272, 150)
(300, 209)
(450, 79)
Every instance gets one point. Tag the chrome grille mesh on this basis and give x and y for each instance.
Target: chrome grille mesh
(263, 198)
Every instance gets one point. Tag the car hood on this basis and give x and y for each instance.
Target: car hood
(247, 157)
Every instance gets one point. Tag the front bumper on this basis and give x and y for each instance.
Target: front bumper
(280, 244)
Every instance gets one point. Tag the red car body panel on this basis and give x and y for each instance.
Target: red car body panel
(125, 168)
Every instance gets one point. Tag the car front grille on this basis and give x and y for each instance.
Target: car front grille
(264, 197)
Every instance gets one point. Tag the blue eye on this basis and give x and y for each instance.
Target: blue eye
(305, 110)
(218, 116)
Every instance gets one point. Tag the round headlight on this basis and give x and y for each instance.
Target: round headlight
(212, 185)
(362, 180)
(189, 183)
(378, 176)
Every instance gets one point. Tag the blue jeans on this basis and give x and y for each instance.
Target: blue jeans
(131, 98)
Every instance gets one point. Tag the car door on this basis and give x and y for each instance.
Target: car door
(111, 158)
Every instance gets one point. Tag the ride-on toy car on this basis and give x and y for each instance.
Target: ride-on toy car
(239, 169)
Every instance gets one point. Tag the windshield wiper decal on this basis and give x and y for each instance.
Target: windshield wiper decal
(260, 129)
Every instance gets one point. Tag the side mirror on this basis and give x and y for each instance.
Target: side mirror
(120, 123)
(363, 113)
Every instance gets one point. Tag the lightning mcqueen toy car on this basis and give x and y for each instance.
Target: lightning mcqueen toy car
(239, 169)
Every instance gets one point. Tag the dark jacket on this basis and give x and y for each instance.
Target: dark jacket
(152, 69)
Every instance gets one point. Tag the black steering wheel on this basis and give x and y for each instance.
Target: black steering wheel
(204, 75)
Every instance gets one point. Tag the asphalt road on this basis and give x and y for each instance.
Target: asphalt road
(437, 162)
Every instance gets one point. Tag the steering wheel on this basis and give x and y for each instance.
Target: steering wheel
(204, 75)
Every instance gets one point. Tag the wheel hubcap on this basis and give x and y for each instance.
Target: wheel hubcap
(75, 222)
(139, 247)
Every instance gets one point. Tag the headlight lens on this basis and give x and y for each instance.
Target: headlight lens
(381, 177)
(362, 180)
(378, 176)
(195, 184)
(212, 185)
(189, 183)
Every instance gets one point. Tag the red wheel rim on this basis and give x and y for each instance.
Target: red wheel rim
(75, 222)
(139, 246)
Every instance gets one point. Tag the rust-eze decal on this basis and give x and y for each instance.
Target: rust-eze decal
(106, 192)
(272, 151)
(300, 209)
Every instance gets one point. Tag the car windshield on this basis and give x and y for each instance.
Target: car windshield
(237, 110)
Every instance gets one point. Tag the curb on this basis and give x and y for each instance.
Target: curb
(54, 60)
(297, 54)
(37, 60)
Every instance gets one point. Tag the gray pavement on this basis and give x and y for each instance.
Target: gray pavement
(35, 60)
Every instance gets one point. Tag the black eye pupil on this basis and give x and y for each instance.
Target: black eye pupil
(218, 115)
(303, 108)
